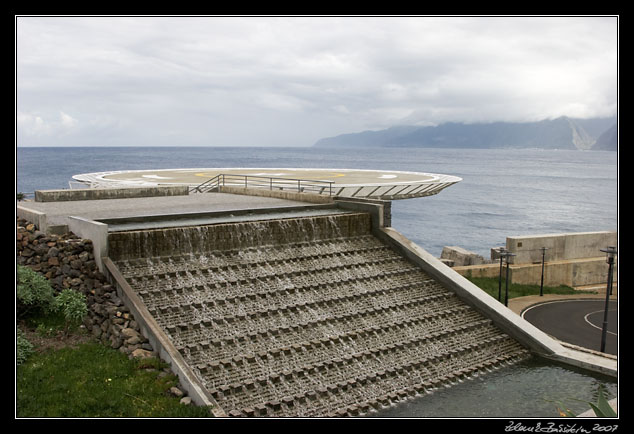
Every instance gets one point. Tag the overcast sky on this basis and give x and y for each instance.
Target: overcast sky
(289, 81)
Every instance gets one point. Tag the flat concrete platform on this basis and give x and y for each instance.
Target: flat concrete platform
(382, 184)
(58, 212)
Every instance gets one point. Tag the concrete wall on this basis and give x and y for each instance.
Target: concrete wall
(109, 193)
(38, 218)
(572, 259)
(381, 210)
(92, 230)
(560, 246)
(578, 272)
(278, 194)
(457, 256)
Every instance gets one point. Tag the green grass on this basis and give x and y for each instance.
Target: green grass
(490, 285)
(93, 380)
(64, 372)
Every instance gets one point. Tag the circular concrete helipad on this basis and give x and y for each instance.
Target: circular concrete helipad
(384, 184)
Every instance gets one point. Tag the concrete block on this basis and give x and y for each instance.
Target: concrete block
(564, 246)
(460, 256)
(92, 230)
(108, 193)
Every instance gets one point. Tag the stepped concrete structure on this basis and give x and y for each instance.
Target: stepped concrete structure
(312, 310)
(305, 317)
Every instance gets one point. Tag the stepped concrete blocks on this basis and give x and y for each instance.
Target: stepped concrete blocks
(324, 355)
(312, 316)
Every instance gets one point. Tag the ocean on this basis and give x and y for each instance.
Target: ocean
(504, 192)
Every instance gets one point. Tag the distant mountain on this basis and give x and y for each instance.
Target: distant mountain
(560, 133)
(608, 141)
(596, 126)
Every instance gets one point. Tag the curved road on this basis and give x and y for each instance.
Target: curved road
(578, 322)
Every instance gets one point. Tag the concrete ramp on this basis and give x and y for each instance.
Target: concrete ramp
(308, 317)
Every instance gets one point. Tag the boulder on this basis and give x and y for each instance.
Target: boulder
(460, 256)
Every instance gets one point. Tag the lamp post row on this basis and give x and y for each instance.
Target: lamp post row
(507, 255)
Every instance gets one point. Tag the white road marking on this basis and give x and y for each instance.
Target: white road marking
(595, 326)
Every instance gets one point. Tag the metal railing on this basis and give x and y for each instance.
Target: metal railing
(251, 181)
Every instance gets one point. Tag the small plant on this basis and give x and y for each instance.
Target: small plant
(72, 305)
(24, 348)
(601, 408)
(33, 293)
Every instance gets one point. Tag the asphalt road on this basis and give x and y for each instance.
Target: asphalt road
(578, 322)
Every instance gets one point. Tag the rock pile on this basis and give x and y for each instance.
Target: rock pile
(68, 262)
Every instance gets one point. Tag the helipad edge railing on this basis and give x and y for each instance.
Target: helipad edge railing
(251, 181)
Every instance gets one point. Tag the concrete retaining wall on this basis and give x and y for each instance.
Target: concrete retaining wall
(109, 193)
(381, 210)
(38, 218)
(578, 272)
(572, 259)
(457, 256)
(560, 246)
(92, 230)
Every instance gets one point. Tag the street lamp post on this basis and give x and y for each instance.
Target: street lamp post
(506, 296)
(502, 253)
(610, 254)
(541, 286)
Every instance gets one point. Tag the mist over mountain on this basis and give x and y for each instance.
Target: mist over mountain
(560, 133)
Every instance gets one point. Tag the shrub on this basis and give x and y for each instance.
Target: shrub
(33, 292)
(72, 305)
(24, 348)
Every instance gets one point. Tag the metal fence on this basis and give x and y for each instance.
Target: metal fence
(265, 182)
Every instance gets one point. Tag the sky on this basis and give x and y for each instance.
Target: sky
(290, 81)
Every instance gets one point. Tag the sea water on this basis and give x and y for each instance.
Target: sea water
(504, 192)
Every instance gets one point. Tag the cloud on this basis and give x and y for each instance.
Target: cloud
(293, 80)
(34, 125)
(67, 120)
